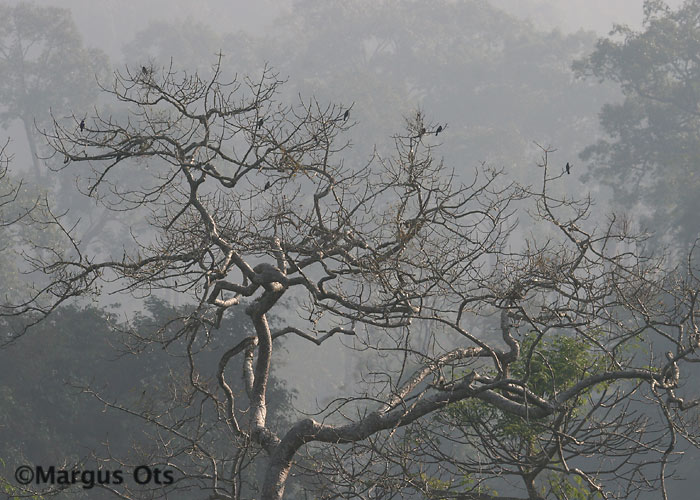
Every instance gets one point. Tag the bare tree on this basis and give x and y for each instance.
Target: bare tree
(250, 204)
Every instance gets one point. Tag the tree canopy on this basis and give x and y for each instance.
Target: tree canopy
(251, 205)
(44, 67)
(649, 157)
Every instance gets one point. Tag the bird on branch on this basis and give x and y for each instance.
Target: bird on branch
(267, 273)
(439, 129)
(82, 125)
(346, 115)
(515, 292)
(409, 229)
(672, 373)
(568, 168)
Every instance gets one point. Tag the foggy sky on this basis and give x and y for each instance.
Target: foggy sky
(96, 18)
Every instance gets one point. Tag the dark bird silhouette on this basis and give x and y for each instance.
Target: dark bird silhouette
(82, 125)
(568, 168)
(267, 186)
(260, 122)
(144, 70)
(439, 129)
(346, 115)
(515, 292)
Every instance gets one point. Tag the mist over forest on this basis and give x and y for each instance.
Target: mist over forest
(310, 249)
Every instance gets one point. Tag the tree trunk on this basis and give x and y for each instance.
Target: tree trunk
(32, 147)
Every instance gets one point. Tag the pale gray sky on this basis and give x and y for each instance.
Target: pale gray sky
(572, 15)
(93, 16)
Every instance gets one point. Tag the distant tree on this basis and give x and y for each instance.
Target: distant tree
(371, 253)
(652, 149)
(85, 350)
(497, 81)
(45, 67)
(192, 45)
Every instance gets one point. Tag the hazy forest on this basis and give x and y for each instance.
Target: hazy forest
(360, 249)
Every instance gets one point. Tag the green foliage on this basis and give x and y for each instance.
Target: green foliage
(11, 492)
(555, 364)
(434, 484)
(550, 365)
(570, 487)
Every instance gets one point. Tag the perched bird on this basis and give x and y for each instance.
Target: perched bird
(439, 129)
(568, 168)
(267, 186)
(515, 292)
(267, 273)
(346, 115)
(144, 70)
(672, 373)
(82, 125)
(260, 122)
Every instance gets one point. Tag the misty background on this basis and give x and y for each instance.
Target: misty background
(497, 73)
